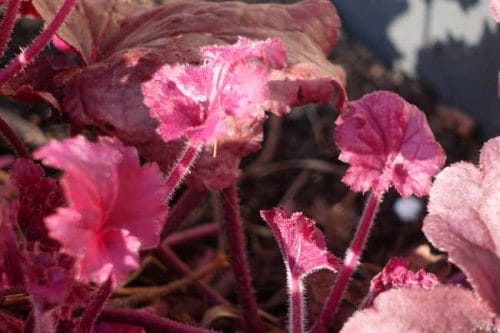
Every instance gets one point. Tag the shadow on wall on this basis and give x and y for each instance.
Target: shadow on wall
(369, 20)
(466, 76)
(452, 45)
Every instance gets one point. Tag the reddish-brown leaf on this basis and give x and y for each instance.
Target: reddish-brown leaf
(91, 23)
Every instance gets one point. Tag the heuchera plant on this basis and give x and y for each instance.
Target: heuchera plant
(181, 92)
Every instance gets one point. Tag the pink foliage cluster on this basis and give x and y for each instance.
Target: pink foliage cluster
(140, 41)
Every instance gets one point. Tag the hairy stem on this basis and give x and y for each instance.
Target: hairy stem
(13, 140)
(190, 236)
(37, 46)
(181, 168)
(351, 260)
(182, 209)
(95, 306)
(296, 303)
(147, 321)
(238, 259)
(9, 19)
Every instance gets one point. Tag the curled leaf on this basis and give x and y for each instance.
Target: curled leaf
(301, 243)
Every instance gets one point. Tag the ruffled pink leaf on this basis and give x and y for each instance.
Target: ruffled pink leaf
(388, 142)
(218, 101)
(396, 275)
(301, 243)
(442, 309)
(463, 220)
(116, 207)
(495, 9)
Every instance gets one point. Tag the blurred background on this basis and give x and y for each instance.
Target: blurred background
(451, 46)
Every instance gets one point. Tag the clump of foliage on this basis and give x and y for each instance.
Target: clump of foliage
(159, 96)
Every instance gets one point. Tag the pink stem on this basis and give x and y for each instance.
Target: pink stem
(239, 263)
(182, 209)
(296, 300)
(193, 235)
(147, 321)
(40, 42)
(181, 168)
(9, 19)
(181, 269)
(353, 254)
(13, 140)
(95, 306)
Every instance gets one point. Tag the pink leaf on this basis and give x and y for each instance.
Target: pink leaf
(303, 248)
(388, 142)
(301, 243)
(396, 275)
(221, 100)
(495, 9)
(463, 220)
(442, 309)
(116, 207)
